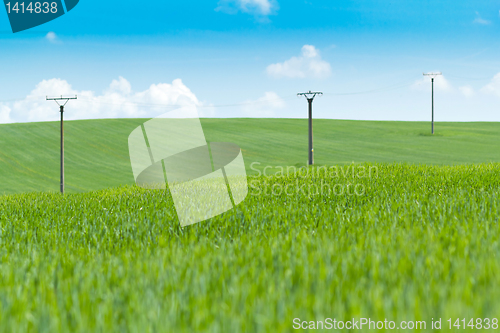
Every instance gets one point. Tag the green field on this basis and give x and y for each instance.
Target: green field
(97, 152)
(420, 243)
(411, 241)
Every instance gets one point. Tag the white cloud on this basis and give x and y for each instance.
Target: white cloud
(52, 37)
(493, 87)
(255, 7)
(4, 114)
(440, 84)
(120, 86)
(480, 20)
(308, 64)
(264, 107)
(467, 91)
(118, 101)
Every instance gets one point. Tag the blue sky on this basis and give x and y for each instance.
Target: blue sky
(250, 57)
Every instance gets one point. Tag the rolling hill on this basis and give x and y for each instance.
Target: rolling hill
(97, 152)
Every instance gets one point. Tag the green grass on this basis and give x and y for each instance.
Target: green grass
(422, 242)
(97, 152)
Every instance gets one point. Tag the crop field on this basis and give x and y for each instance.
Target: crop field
(385, 238)
(97, 153)
(412, 243)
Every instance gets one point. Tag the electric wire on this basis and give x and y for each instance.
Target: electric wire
(101, 101)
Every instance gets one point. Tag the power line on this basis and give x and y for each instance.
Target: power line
(469, 78)
(365, 92)
(392, 87)
(98, 100)
(199, 106)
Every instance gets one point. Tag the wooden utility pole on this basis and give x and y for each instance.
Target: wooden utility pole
(432, 76)
(310, 98)
(61, 109)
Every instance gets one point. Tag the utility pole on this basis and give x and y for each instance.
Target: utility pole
(61, 109)
(310, 98)
(432, 76)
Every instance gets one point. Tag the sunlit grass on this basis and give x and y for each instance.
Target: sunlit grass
(421, 242)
